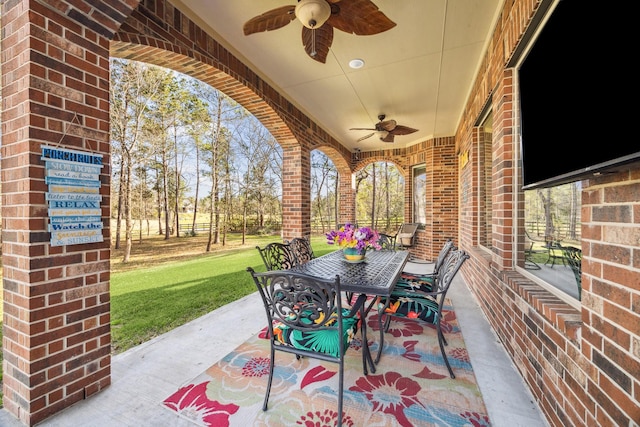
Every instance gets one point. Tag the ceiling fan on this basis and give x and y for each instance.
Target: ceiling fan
(319, 18)
(390, 127)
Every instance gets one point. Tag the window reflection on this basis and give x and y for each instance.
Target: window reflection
(419, 194)
(552, 236)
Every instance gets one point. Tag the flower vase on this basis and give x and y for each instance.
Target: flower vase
(354, 254)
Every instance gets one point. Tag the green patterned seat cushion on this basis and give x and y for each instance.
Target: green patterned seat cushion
(414, 282)
(320, 341)
(412, 305)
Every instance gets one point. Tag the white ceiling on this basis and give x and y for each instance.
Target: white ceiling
(419, 73)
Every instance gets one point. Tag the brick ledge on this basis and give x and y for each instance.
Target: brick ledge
(562, 315)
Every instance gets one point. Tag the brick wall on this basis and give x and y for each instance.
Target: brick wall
(582, 366)
(56, 336)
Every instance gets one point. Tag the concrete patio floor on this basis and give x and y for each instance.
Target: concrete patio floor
(144, 376)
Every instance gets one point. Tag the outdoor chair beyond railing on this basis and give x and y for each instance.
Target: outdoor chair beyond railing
(278, 256)
(413, 305)
(405, 237)
(305, 317)
(302, 249)
(573, 256)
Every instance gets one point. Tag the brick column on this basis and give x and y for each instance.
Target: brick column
(296, 191)
(55, 91)
(503, 170)
(346, 195)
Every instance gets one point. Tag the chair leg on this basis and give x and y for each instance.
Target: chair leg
(271, 367)
(340, 391)
(349, 296)
(441, 342)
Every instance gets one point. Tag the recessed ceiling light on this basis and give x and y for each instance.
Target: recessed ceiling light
(356, 63)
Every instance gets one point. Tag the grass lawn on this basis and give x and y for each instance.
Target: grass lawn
(168, 283)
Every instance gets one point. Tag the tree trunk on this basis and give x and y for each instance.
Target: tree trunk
(373, 195)
(119, 213)
(573, 214)
(197, 190)
(126, 170)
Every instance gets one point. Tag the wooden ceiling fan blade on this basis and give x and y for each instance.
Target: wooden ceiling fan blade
(389, 137)
(270, 20)
(403, 130)
(365, 137)
(359, 17)
(323, 38)
(362, 129)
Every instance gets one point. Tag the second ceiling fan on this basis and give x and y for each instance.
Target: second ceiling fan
(390, 127)
(319, 18)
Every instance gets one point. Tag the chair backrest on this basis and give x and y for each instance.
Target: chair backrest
(387, 242)
(448, 271)
(406, 234)
(277, 256)
(574, 257)
(446, 248)
(302, 249)
(300, 302)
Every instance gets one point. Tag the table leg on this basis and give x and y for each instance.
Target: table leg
(382, 329)
(366, 352)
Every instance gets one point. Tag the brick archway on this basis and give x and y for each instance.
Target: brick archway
(190, 50)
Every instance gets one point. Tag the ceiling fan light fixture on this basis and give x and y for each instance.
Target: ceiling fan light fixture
(313, 13)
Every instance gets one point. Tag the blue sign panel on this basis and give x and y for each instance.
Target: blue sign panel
(73, 179)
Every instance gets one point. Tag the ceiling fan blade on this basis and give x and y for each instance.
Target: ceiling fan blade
(359, 17)
(403, 130)
(323, 39)
(270, 20)
(365, 137)
(362, 129)
(388, 125)
(389, 137)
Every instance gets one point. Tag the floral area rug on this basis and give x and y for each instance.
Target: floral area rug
(411, 385)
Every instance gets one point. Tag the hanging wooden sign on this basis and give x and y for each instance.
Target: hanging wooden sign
(73, 180)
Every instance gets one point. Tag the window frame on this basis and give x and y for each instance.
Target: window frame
(418, 213)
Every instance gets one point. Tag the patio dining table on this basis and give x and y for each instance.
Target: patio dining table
(375, 276)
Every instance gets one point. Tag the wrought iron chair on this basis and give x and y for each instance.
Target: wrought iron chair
(423, 282)
(305, 317)
(529, 252)
(573, 256)
(302, 249)
(278, 256)
(423, 306)
(387, 242)
(556, 252)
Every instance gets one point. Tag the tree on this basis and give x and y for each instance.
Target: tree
(133, 84)
(163, 127)
(323, 171)
(217, 115)
(257, 182)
